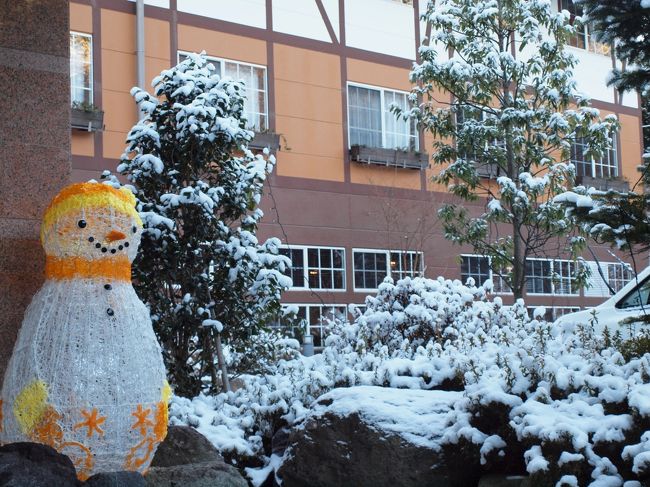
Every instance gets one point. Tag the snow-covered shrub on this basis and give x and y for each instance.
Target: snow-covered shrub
(555, 403)
(201, 269)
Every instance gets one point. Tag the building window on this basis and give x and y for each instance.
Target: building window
(583, 38)
(545, 276)
(372, 124)
(606, 167)
(315, 319)
(552, 313)
(618, 275)
(81, 69)
(405, 264)
(478, 268)
(371, 267)
(254, 79)
(475, 267)
(321, 268)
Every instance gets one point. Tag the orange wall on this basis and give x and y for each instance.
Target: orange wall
(309, 113)
(119, 72)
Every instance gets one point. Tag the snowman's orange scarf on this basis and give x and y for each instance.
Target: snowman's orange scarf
(113, 268)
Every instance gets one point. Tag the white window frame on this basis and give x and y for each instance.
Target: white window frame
(615, 283)
(381, 90)
(91, 90)
(554, 285)
(308, 318)
(591, 45)
(492, 275)
(554, 310)
(305, 279)
(594, 163)
(222, 66)
(389, 271)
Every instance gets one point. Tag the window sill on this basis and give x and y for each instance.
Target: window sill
(603, 184)
(262, 140)
(389, 157)
(89, 121)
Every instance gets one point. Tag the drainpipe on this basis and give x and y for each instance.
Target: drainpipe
(139, 36)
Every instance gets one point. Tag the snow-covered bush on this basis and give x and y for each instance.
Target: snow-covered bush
(201, 269)
(553, 403)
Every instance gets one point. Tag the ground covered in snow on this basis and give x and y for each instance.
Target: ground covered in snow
(441, 364)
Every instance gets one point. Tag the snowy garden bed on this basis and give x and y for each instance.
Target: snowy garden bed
(560, 405)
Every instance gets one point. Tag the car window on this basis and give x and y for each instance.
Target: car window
(639, 296)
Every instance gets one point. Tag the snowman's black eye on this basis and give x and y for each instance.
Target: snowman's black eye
(82, 223)
(135, 229)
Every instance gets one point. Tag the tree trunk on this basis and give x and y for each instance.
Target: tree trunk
(519, 264)
(222, 364)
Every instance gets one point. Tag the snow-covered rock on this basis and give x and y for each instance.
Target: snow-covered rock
(371, 436)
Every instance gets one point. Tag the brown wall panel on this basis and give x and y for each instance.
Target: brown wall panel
(82, 143)
(306, 66)
(384, 176)
(114, 143)
(156, 39)
(81, 18)
(631, 147)
(378, 74)
(301, 100)
(315, 137)
(229, 46)
(310, 166)
(118, 70)
(119, 29)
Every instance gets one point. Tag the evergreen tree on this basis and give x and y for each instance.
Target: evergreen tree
(201, 269)
(506, 134)
(620, 219)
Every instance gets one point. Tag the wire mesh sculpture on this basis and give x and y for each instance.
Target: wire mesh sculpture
(86, 375)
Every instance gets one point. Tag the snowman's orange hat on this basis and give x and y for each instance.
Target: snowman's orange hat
(89, 195)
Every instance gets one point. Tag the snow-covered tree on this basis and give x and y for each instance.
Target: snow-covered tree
(201, 269)
(505, 135)
(620, 219)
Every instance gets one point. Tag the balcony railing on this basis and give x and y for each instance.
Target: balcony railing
(389, 157)
(89, 120)
(603, 184)
(265, 139)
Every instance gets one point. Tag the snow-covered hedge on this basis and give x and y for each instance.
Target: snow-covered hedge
(553, 402)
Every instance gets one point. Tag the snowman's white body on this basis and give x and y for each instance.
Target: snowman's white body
(90, 342)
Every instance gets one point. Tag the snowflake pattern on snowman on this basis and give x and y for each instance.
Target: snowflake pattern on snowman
(86, 375)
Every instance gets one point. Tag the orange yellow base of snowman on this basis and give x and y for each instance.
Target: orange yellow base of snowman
(86, 376)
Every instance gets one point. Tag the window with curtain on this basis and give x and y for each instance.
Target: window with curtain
(371, 122)
(81, 68)
(254, 79)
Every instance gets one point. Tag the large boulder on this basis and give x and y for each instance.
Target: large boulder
(184, 445)
(187, 458)
(116, 479)
(35, 465)
(206, 474)
(372, 436)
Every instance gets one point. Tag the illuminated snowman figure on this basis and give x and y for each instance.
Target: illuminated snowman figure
(86, 375)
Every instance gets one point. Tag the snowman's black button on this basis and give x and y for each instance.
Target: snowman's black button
(110, 312)
(108, 287)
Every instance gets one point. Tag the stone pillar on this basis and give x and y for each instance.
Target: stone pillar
(34, 145)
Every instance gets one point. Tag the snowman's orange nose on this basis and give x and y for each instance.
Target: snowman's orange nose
(114, 235)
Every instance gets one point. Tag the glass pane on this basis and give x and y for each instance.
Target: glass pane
(325, 258)
(312, 257)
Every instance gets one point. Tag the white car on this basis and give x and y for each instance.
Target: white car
(633, 300)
